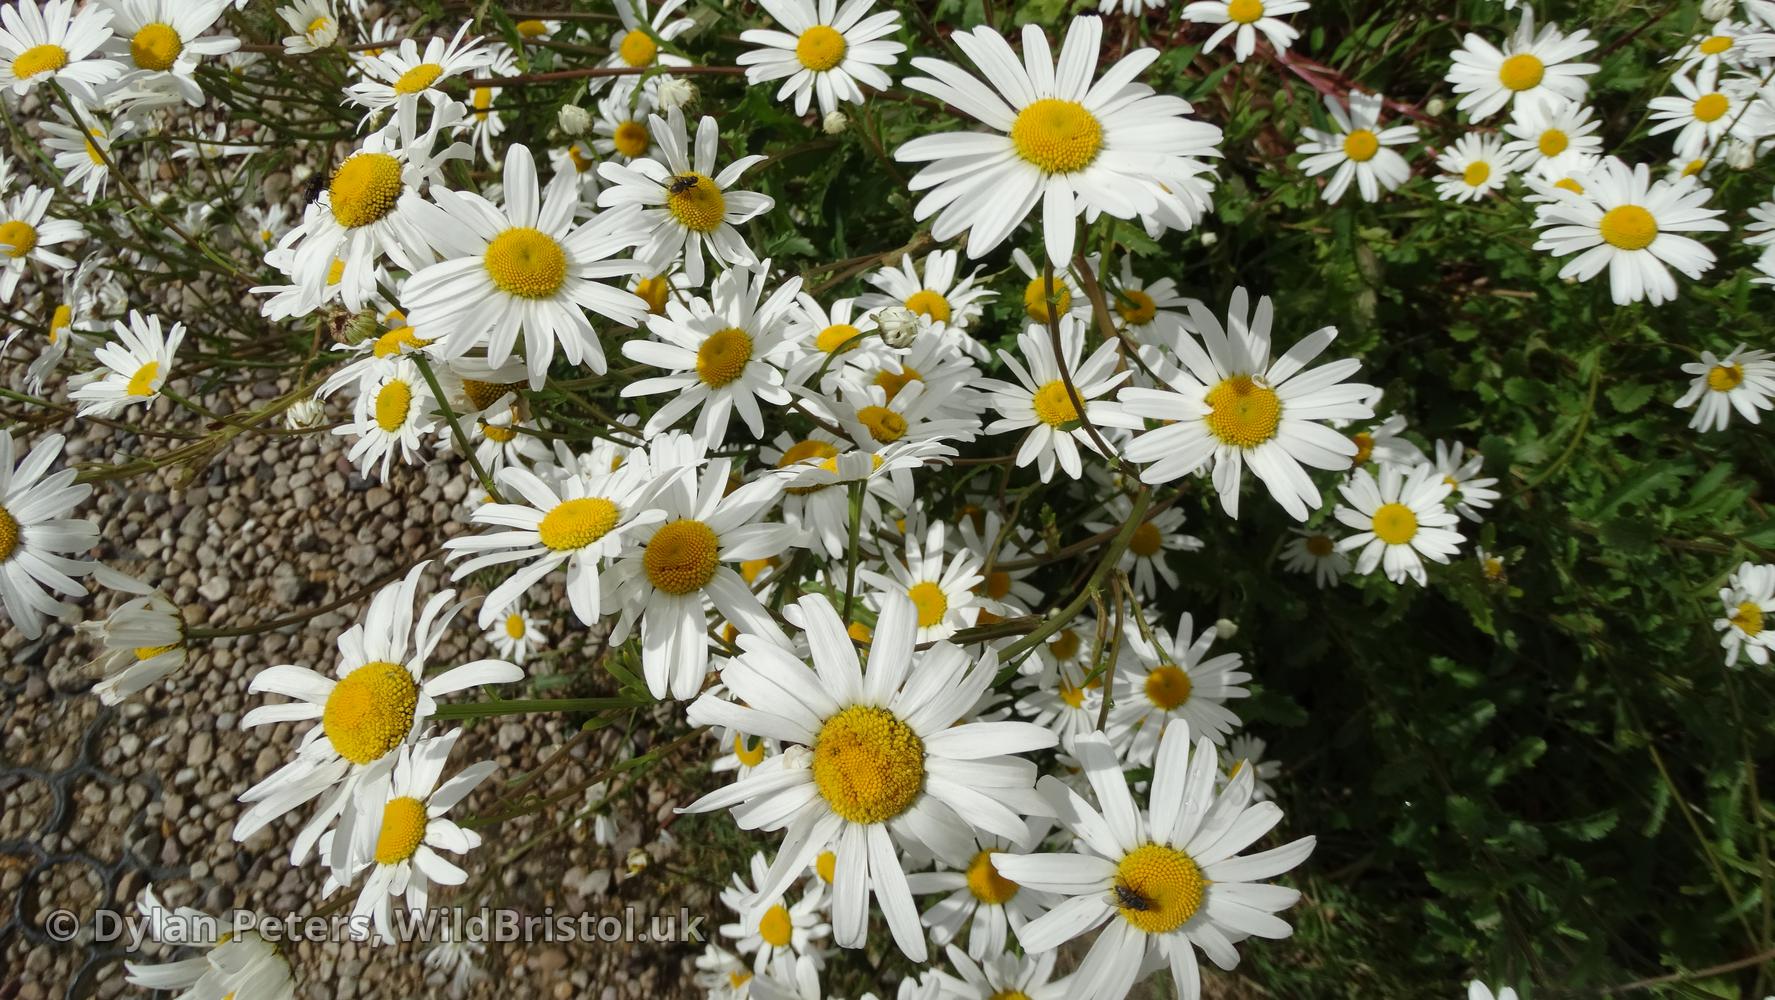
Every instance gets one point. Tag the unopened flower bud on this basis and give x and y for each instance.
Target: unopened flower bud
(1225, 629)
(1717, 10)
(1209, 239)
(574, 120)
(675, 92)
(898, 324)
(834, 123)
(1740, 155)
(305, 413)
(1435, 106)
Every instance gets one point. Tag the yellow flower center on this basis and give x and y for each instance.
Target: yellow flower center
(696, 202)
(892, 382)
(1058, 136)
(931, 602)
(654, 291)
(150, 652)
(1552, 142)
(39, 59)
(1165, 885)
(1064, 646)
(20, 235)
(998, 584)
(775, 927)
(98, 158)
(827, 866)
(837, 337)
(1711, 107)
(868, 765)
(393, 401)
(1035, 299)
(631, 139)
(723, 357)
(1477, 173)
(1243, 413)
(1073, 696)
(1147, 541)
(582, 160)
(319, 25)
(502, 433)
(62, 319)
(637, 49)
(531, 28)
(365, 188)
(514, 626)
(1629, 227)
(142, 382)
(1395, 524)
(526, 263)
(1570, 185)
(929, 303)
(809, 451)
(396, 341)
(335, 271)
(1361, 145)
(1009, 995)
(577, 523)
(1053, 406)
(403, 830)
(681, 557)
(1748, 619)
(484, 394)
(1726, 377)
(1521, 71)
(156, 47)
(748, 756)
(987, 885)
(418, 78)
(9, 534)
(1244, 11)
(885, 426)
(1713, 45)
(481, 98)
(1136, 307)
(370, 711)
(821, 47)
(1320, 545)
(1168, 686)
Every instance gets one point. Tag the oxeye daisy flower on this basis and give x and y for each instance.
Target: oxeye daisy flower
(485, 123)
(946, 376)
(581, 519)
(1150, 312)
(1001, 974)
(238, 965)
(637, 44)
(620, 125)
(1703, 110)
(1743, 380)
(144, 641)
(163, 40)
(407, 73)
(1531, 65)
(55, 40)
(1232, 406)
(393, 413)
(942, 585)
(26, 235)
(1400, 520)
(1245, 752)
(1730, 43)
(1473, 166)
(1057, 139)
(1627, 222)
(1471, 492)
(1145, 560)
(135, 367)
(379, 700)
(812, 466)
(1315, 552)
(825, 341)
(682, 564)
(1358, 150)
(991, 907)
(686, 204)
(930, 290)
(724, 976)
(744, 755)
(1760, 231)
(722, 353)
(314, 24)
(1171, 873)
(1749, 600)
(80, 150)
(524, 268)
(37, 537)
(1069, 298)
(874, 760)
(1060, 697)
(827, 51)
(1040, 404)
(987, 534)
(874, 418)
(1242, 20)
(398, 829)
(1552, 136)
(772, 931)
(1386, 444)
(515, 634)
(1172, 677)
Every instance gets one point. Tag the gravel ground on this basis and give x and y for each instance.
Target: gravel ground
(95, 802)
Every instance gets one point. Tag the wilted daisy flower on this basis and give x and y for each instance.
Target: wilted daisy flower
(314, 24)
(1058, 140)
(524, 268)
(1232, 407)
(943, 304)
(1244, 752)
(55, 40)
(1315, 552)
(943, 586)
(1358, 149)
(770, 930)
(35, 531)
(581, 520)
(1472, 492)
(1531, 65)
(237, 965)
(25, 234)
(136, 366)
(393, 414)
(1553, 136)
(379, 700)
(991, 907)
(723, 354)
(1474, 166)
(1627, 222)
(398, 828)
(406, 74)
(879, 763)
(144, 641)
(828, 51)
(1704, 109)
(1171, 873)
(516, 633)
(1749, 600)
(1040, 403)
(1172, 680)
(1242, 20)
(686, 204)
(1743, 380)
(81, 150)
(161, 40)
(1399, 520)
(634, 46)
(1145, 560)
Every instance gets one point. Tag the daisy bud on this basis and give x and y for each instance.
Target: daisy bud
(1740, 155)
(834, 123)
(898, 324)
(574, 120)
(638, 860)
(1225, 629)
(1209, 239)
(305, 413)
(676, 93)
(1717, 10)
(357, 328)
(1435, 106)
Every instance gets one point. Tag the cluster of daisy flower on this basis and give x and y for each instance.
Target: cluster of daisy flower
(761, 492)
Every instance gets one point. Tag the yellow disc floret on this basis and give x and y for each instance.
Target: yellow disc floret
(986, 884)
(156, 47)
(1035, 299)
(142, 382)
(1395, 524)
(1244, 11)
(1628, 227)
(723, 357)
(393, 401)
(820, 48)
(1361, 145)
(931, 602)
(1136, 307)
(637, 49)
(1726, 377)
(526, 263)
(419, 78)
(577, 523)
(751, 756)
(1552, 142)
(9, 534)
(1060, 137)
(1243, 412)
(1521, 71)
(775, 927)
(20, 236)
(1748, 619)
(868, 765)
(631, 139)
(884, 425)
(365, 189)
(837, 337)
(1477, 173)
(1711, 107)
(1167, 884)
(696, 202)
(682, 556)
(370, 711)
(928, 303)
(1053, 406)
(403, 830)
(39, 59)
(1169, 686)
